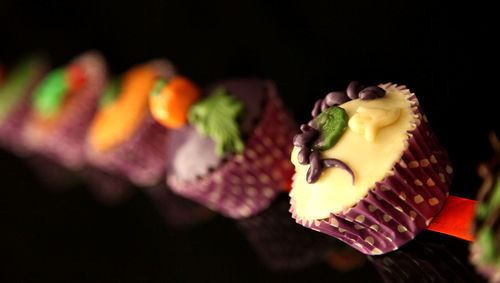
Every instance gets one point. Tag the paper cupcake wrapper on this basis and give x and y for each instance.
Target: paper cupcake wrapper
(141, 158)
(425, 261)
(107, 189)
(280, 243)
(65, 144)
(248, 182)
(11, 128)
(403, 203)
(178, 212)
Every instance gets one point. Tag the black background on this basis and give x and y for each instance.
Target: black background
(442, 52)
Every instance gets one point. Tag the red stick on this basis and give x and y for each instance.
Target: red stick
(455, 219)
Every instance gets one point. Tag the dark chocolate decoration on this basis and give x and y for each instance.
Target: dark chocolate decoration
(353, 89)
(306, 137)
(317, 108)
(332, 162)
(327, 126)
(336, 98)
(371, 92)
(303, 155)
(314, 171)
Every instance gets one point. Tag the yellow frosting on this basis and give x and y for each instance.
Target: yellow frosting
(370, 146)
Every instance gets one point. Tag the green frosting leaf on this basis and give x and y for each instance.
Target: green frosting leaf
(49, 95)
(331, 124)
(15, 84)
(110, 94)
(485, 209)
(486, 238)
(216, 117)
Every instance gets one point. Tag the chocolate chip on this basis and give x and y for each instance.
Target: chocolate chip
(314, 171)
(353, 89)
(305, 128)
(303, 156)
(317, 108)
(301, 140)
(324, 106)
(336, 98)
(371, 92)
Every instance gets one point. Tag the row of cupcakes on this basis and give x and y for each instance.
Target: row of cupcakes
(225, 147)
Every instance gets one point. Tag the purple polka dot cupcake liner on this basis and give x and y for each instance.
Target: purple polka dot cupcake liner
(248, 182)
(280, 243)
(141, 158)
(66, 143)
(403, 203)
(10, 128)
(178, 212)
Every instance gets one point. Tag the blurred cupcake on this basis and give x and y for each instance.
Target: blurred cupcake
(485, 251)
(369, 170)
(123, 138)
(282, 244)
(230, 149)
(16, 89)
(63, 106)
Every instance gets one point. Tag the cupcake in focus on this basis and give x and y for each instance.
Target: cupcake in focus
(485, 250)
(16, 88)
(63, 106)
(229, 151)
(369, 170)
(123, 138)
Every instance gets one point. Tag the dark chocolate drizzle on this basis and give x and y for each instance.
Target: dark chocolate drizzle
(309, 135)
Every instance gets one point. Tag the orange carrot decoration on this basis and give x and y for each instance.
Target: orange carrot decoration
(170, 101)
(117, 121)
(455, 219)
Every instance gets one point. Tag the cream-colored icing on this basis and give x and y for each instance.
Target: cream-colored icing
(370, 156)
(368, 121)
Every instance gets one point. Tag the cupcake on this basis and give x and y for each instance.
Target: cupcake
(369, 170)
(229, 150)
(15, 94)
(485, 250)
(123, 138)
(63, 106)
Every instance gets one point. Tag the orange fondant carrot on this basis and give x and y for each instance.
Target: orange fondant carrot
(455, 219)
(171, 105)
(116, 122)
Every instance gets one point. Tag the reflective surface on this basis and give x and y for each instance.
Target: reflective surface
(78, 226)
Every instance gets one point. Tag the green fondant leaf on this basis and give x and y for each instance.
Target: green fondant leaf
(110, 94)
(159, 84)
(486, 238)
(15, 83)
(216, 117)
(331, 124)
(49, 95)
